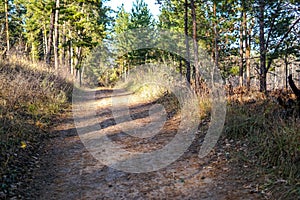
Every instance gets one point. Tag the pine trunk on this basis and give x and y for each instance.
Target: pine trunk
(216, 51)
(248, 50)
(241, 70)
(70, 54)
(263, 70)
(64, 41)
(56, 36)
(195, 42)
(7, 27)
(45, 46)
(187, 60)
(50, 38)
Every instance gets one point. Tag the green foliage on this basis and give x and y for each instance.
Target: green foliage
(234, 70)
(279, 18)
(125, 39)
(36, 23)
(140, 15)
(83, 24)
(15, 20)
(172, 17)
(87, 20)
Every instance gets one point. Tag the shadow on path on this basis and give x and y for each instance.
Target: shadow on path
(69, 171)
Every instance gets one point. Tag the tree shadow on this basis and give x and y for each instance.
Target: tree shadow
(187, 177)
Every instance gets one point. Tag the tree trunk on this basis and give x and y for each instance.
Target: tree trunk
(248, 50)
(286, 71)
(187, 60)
(216, 52)
(241, 70)
(45, 42)
(64, 41)
(56, 36)
(262, 45)
(6, 27)
(195, 42)
(78, 66)
(50, 38)
(70, 54)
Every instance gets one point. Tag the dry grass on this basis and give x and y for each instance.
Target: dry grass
(273, 145)
(30, 97)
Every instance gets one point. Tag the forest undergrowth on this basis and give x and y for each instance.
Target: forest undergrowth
(31, 97)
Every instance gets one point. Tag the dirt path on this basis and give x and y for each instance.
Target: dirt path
(69, 171)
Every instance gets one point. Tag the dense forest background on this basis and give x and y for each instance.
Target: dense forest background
(254, 43)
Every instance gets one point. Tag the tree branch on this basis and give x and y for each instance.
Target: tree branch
(286, 34)
(272, 25)
(281, 40)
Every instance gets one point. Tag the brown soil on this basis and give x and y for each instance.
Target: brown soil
(69, 171)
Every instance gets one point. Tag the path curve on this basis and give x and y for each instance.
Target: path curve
(69, 171)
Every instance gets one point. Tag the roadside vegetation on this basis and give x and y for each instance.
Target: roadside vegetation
(266, 140)
(30, 99)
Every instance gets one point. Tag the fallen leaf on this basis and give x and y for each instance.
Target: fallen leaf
(23, 145)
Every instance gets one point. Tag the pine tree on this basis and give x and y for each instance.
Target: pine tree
(136, 23)
(122, 24)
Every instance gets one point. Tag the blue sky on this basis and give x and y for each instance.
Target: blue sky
(114, 4)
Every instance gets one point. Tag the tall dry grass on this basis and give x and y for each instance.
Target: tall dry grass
(273, 145)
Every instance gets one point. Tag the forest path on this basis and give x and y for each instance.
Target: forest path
(69, 171)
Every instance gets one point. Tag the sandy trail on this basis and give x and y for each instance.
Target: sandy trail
(69, 171)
